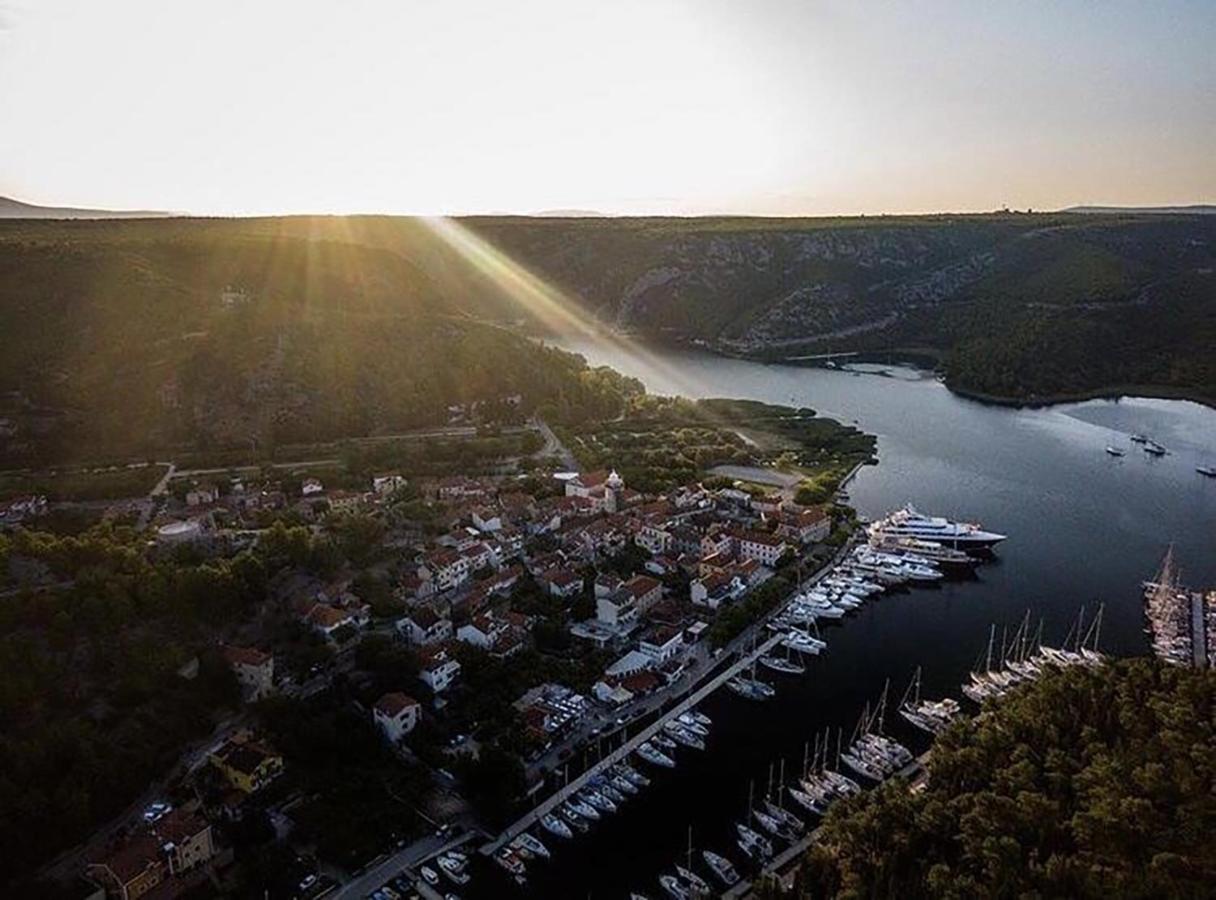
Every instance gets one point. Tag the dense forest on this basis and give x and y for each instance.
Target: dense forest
(1086, 783)
(140, 338)
(144, 338)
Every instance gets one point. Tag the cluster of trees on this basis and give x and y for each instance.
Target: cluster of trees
(733, 619)
(1086, 783)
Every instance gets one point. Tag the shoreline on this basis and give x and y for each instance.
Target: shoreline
(1110, 392)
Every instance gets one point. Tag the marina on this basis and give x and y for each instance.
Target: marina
(1020, 470)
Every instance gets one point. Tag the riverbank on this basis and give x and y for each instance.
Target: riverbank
(1112, 392)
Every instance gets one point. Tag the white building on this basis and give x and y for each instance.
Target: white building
(396, 714)
(439, 670)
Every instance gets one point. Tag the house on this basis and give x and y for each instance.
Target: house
(424, 626)
(646, 591)
(717, 542)
(607, 584)
(131, 871)
(253, 669)
(383, 485)
(764, 548)
(653, 538)
(439, 669)
(561, 582)
(618, 610)
(461, 487)
(202, 494)
(806, 525)
(486, 520)
(767, 504)
(344, 502)
(482, 631)
(396, 714)
(311, 487)
(662, 645)
(478, 556)
(714, 590)
(185, 839)
(446, 568)
(327, 620)
(248, 764)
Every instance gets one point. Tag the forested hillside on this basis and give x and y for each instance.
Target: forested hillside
(138, 337)
(1085, 783)
(134, 338)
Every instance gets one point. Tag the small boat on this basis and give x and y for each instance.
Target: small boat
(1209, 471)
(1154, 448)
(782, 664)
(750, 688)
(584, 809)
(655, 757)
(453, 869)
(632, 774)
(598, 800)
(683, 736)
(623, 785)
(754, 844)
(556, 826)
(784, 815)
(1138, 439)
(697, 885)
(690, 722)
(774, 826)
(807, 802)
(532, 844)
(510, 861)
(572, 816)
(1115, 451)
(701, 718)
(722, 868)
(674, 888)
(663, 741)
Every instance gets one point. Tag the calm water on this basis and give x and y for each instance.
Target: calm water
(1083, 527)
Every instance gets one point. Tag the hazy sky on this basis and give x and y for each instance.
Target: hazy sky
(684, 106)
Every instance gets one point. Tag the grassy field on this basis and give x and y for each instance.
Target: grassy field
(83, 484)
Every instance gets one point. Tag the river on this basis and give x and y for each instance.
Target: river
(1083, 527)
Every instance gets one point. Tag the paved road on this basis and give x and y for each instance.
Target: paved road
(554, 447)
(415, 854)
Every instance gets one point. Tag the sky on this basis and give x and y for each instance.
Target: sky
(687, 107)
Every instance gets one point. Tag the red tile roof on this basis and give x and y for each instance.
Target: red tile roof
(394, 703)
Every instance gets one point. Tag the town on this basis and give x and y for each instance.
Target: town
(466, 641)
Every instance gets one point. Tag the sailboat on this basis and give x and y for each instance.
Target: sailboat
(783, 664)
(928, 715)
(696, 885)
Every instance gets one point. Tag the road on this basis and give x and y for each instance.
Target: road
(554, 447)
(407, 857)
(70, 863)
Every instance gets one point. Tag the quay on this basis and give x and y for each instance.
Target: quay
(623, 752)
(785, 864)
(1199, 637)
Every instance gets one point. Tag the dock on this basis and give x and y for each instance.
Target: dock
(625, 750)
(785, 864)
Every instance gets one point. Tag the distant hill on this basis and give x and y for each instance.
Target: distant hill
(570, 214)
(16, 209)
(1197, 209)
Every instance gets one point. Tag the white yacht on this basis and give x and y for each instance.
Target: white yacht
(908, 522)
(527, 842)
